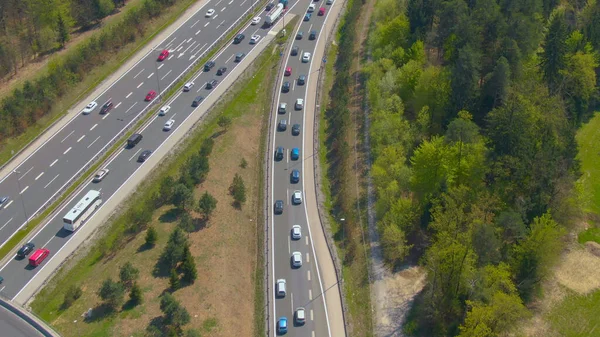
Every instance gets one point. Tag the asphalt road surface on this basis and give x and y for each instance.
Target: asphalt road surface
(13, 326)
(304, 284)
(17, 273)
(40, 178)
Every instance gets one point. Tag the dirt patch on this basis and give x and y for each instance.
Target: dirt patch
(579, 269)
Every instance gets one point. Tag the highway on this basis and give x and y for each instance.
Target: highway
(305, 285)
(123, 165)
(44, 175)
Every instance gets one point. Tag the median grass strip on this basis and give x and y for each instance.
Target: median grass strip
(35, 222)
(226, 251)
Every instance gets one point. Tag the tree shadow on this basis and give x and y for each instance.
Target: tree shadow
(170, 215)
(129, 305)
(217, 134)
(155, 327)
(100, 312)
(144, 247)
(237, 205)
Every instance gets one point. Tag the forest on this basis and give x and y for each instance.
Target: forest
(474, 109)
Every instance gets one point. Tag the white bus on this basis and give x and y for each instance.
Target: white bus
(82, 210)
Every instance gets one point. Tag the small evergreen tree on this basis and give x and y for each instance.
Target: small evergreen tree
(188, 266)
(224, 122)
(71, 295)
(63, 31)
(112, 293)
(128, 274)
(238, 190)
(135, 294)
(207, 204)
(174, 280)
(151, 236)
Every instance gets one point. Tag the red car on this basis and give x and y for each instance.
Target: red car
(321, 12)
(151, 95)
(288, 71)
(163, 55)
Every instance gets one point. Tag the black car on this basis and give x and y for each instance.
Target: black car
(294, 51)
(144, 155)
(239, 56)
(282, 126)
(3, 200)
(285, 87)
(238, 38)
(25, 250)
(106, 107)
(301, 79)
(313, 35)
(221, 71)
(295, 129)
(279, 153)
(197, 101)
(209, 65)
(270, 6)
(278, 206)
(211, 84)
(300, 35)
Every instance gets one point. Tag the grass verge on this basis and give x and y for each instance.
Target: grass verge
(218, 248)
(588, 139)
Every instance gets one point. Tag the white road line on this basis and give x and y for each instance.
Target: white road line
(287, 155)
(292, 301)
(80, 138)
(160, 66)
(201, 87)
(307, 257)
(180, 48)
(129, 94)
(222, 22)
(179, 45)
(162, 78)
(38, 177)
(5, 226)
(215, 16)
(308, 274)
(311, 315)
(25, 189)
(230, 2)
(103, 118)
(310, 28)
(46, 245)
(95, 125)
(198, 32)
(131, 107)
(306, 237)
(310, 294)
(194, 49)
(293, 85)
(10, 202)
(170, 57)
(138, 74)
(92, 143)
(289, 248)
(313, 333)
(195, 23)
(287, 196)
(2, 289)
(67, 150)
(21, 177)
(186, 49)
(139, 85)
(243, 2)
(54, 162)
(67, 136)
(51, 181)
(135, 154)
(229, 59)
(116, 106)
(206, 24)
(189, 40)
(256, 31)
(150, 75)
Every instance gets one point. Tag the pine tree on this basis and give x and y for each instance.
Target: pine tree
(135, 294)
(188, 266)
(174, 280)
(207, 204)
(151, 236)
(63, 31)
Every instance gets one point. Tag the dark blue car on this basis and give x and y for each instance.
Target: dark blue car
(295, 155)
(307, 17)
(295, 176)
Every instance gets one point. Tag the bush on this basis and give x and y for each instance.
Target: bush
(151, 237)
(135, 295)
(71, 295)
(112, 293)
(128, 274)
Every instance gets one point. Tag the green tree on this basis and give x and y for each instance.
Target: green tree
(188, 266)
(63, 31)
(238, 190)
(207, 204)
(553, 56)
(71, 295)
(174, 249)
(166, 189)
(174, 280)
(497, 83)
(394, 244)
(183, 197)
(112, 293)
(135, 294)
(429, 163)
(224, 122)
(174, 314)
(151, 236)
(128, 274)
(192, 333)
(579, 82)
(490, 320)
(186, 222)
(207, 147)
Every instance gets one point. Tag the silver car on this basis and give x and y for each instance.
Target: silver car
(296, 259)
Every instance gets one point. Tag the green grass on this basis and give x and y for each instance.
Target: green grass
(235, 104)
(590, 234)
(588, 139)
(576, 316)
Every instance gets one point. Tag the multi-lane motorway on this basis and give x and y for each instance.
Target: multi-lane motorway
(305, 285)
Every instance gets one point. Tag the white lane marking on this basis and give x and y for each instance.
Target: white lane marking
(256, 31)
(103, 118)
(222, 22)
(54, 162)
(131, 107)
(10, 202)
(311, 315)
(95, 125)
(293, 85)
(135, 154)
(308, 274)
(201, 87)
(312, 333)
(25, 189)
(306, 237)
(67, 136)
(243, 2)
(116, 106)
(197, 46)
(310, 27)
(215, 16)
(162, 78)
(138, 74)
(92, 143)
(39, 175)
(230, 2)
(170, 43)
(179, 45)
(51, 181)
(206, 24)
(170, 57)
(80, 138)
(195, 23)
(186, 49)
(150, 75)
(310, 294)
(287, 155)
(287, 196)
(160, 66)
(67, 150)
(2, 289)
(230, 57)
(292, 300)
(307, 257)
(198, 32)
(180, 48)
(289, 248)
(21, 177)
(129, 94)
(139, 85)
(188, 41)
(5, 226)
(46, 245)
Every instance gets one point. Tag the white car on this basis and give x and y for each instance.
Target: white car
(281, 288)
(305, 57)
(297, 197)
(188, 86)
(89, 108)
(311, 8)
(300, 316)
(297, 259)
(209, 13)
(163, 111)
(254, 39)
(299, 104)
(256, 20)
(100, 175)
(169, 125)
(296, 232)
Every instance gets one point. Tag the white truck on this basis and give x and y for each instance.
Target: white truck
(274, 15)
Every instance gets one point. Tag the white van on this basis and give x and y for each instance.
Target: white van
(281, 288)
